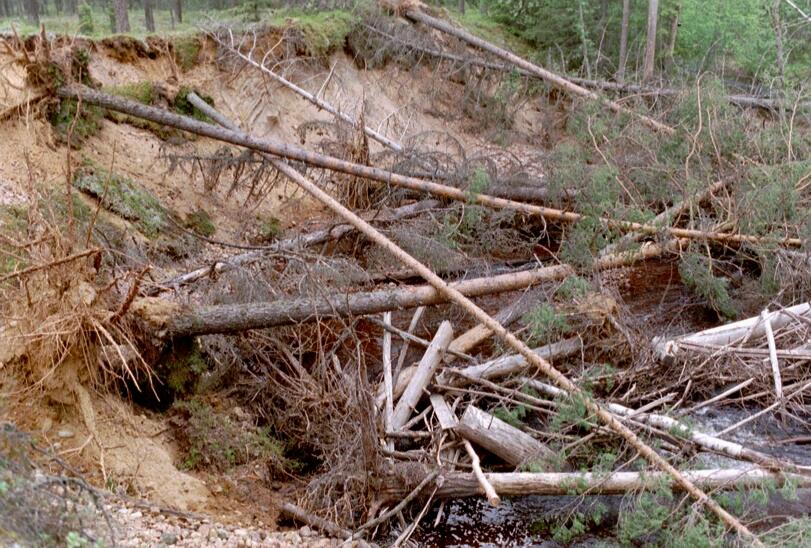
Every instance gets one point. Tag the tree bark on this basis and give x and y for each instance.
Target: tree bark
(650, 46)
(460, 484)
(122, 18)
(233, 318)
(422, 376)
(149, 15)
(501, 439)
(178, 10)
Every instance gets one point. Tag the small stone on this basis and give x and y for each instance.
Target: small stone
(169, 539)
(65, 433)
(222, 533)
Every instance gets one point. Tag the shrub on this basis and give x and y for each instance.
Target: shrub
(696, 273)
(86, 24)
(545, 324)
(200, 222)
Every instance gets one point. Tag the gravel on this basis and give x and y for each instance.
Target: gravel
(139, 527)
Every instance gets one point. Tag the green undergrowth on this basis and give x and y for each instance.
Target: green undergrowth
(218, 440)
(199, 221)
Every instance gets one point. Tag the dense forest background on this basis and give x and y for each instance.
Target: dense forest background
(756, 45)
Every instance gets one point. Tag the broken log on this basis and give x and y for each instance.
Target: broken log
(284, 150)
(512, 364)
(422, 376)
(416, 15)
(289, 244)
(233, 318)
(460, 484)
(503, 440)
(724, 335)
(509, 338)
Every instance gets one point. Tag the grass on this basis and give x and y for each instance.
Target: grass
(200, 222)
(323, 32)
(484, 27)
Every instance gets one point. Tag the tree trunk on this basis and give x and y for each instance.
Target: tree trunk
(778, 39)
(293, 152)
(72, 7)
(32, 11)
(178, 10)
(674, 31)
(462, 6)
(149, 15)
(626, 16)
(507, 442)
(122, 18)
(460, 484)
(650, 47)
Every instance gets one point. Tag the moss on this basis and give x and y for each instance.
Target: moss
(123, 197)
(186, 51)
(322, 32)
(75, 124)
(182, 105)
(200, 222)
(143, 92)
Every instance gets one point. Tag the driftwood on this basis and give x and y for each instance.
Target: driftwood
(422, 376)
(302, 516)
(554, 79)
(673, 426)
(512, 364)
(233, 318)
(283, 150)
(503, 440)
(459, 484)
(289, 244)
(717, 338)
(441, 286)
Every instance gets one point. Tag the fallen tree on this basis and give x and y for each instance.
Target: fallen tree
(460, 484)
(285, 150)
(452, 294)
(233, 318)
(296, 242)
(414, 14)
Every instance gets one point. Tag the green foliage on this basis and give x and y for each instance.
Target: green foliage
(768, 200)
(75, 123)
(696, 273)
(511, 415)
(86, 24)
(649, 516)
(214, 440)
(186, 50)
(125, 198)
(182, 365)
(199, 221)
(573, 287)
(572, 413)
(794, 533)
(545, 324)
